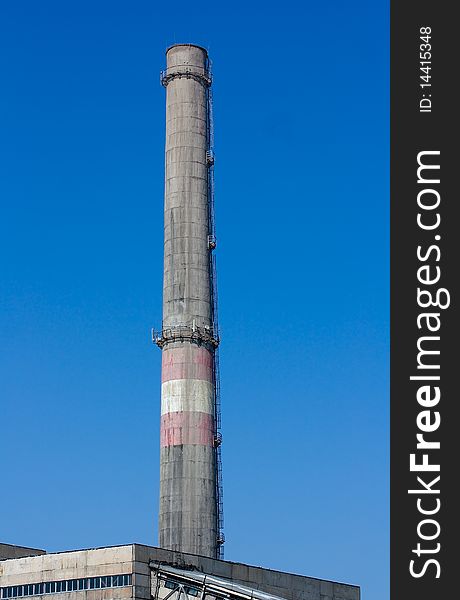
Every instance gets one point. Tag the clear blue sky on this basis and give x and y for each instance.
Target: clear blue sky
(301, 117)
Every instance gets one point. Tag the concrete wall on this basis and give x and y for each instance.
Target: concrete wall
(136, 558)
(72, 565)
(286, 585)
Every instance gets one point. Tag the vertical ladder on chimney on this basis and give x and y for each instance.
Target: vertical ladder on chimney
(215, 324)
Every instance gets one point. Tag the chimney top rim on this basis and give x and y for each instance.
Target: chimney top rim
(188, 45)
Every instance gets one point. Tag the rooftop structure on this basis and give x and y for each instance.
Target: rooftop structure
(10, 551)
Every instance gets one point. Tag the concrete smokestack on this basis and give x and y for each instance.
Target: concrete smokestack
(189, 516)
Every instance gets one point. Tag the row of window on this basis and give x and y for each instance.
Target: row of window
(60, 587)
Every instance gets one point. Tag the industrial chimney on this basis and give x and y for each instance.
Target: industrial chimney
(190, 516)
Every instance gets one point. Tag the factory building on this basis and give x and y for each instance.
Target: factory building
(146, 573)
(189, 562)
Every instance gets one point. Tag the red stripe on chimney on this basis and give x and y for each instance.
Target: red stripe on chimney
(187, 362)
(191, 428)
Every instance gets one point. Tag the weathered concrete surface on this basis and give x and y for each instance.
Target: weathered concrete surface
(188, 505)
(135, 559)
(286, 585)
(69, 565)
(10, 551)
(186, 296)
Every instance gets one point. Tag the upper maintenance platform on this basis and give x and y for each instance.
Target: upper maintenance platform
(187, 60)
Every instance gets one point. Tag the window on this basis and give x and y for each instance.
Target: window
(191, 591)
(171, 585)
(118, 580)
